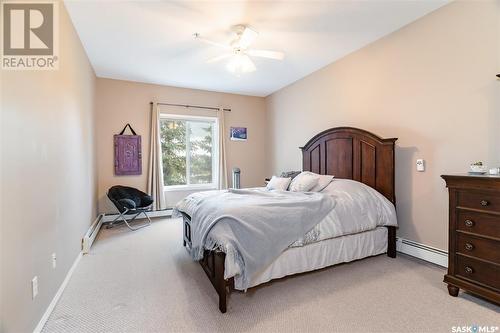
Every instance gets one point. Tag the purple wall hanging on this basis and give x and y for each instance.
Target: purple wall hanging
(128, 156)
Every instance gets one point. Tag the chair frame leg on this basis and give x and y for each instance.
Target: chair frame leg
(122, 217)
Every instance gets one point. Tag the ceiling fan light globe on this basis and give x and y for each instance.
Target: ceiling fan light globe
(240, 64)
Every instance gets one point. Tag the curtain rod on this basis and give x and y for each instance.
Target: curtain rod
(193, 106)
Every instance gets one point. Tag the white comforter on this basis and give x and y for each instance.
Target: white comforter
(358, 208)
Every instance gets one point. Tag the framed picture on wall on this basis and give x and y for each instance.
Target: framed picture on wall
(238, 133)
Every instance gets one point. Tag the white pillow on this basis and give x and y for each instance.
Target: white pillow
(323, 182)
(304, 182)
(278, 183)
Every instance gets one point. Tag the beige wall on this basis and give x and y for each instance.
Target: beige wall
(48, 177)
(121, 102)
(431, 84)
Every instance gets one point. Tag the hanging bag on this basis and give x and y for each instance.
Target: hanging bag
(128, 155)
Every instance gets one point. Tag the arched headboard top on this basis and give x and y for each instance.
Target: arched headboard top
(353, 153)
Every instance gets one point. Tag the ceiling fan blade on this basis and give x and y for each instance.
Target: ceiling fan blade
(210, 42)
(219, 58)
(276, 55)
(247, 37)
(251, 66)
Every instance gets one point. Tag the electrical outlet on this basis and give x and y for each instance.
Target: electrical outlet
(54, 260)
(34, 287)
(420, 165)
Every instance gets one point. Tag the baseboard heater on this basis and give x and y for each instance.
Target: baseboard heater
(422, 251)
(91, 234)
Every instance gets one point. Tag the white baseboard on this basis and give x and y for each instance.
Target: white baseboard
(155, 213)
(57, 296)
(87, 241)
(422, 251)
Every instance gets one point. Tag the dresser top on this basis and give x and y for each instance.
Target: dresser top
(468, 175)
(477, 182)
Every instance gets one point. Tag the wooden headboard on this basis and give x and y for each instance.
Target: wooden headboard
(352, 153)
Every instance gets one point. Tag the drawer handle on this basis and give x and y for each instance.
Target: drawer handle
(469, 223)
(484, 203)
(469, 246)
(469, 270)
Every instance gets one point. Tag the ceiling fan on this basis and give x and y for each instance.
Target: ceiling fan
(239, 51)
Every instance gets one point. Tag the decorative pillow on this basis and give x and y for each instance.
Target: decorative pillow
(291, 174)
(323, 182)
(304, 182)
(279, 183)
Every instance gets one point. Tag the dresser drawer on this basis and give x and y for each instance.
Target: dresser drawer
(478, 247)
(478, 271)
(479, 200)
(478, 223)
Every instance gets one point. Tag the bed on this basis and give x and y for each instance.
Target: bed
(353, 156)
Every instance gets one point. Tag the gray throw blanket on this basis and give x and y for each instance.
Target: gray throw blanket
(259, 225)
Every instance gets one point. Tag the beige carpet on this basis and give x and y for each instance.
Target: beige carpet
(144, 281)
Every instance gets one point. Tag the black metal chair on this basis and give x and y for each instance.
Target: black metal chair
(130, 201)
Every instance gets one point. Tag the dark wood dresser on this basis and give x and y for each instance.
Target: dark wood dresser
(474, 235)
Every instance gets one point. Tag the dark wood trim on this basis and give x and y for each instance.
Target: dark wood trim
(347, 130)
(472, 182)
(451, 230)
(353, 153)
(474, 288)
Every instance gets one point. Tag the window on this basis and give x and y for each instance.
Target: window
(189, 151)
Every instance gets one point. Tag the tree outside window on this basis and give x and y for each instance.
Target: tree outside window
(188, 151)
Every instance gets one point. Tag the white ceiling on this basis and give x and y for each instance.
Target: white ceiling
(151, 41)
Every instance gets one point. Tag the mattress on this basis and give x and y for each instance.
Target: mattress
(315, 256)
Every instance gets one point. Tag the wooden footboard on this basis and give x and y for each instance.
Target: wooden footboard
(213, 265)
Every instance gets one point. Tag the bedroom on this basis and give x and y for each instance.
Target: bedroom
(423, 72)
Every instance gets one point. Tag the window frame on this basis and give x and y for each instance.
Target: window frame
(215, 154)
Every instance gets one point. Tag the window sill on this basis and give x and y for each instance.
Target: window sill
(182, 188)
